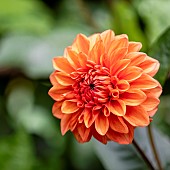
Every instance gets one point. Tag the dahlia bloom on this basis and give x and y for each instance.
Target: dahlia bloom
(104, 87)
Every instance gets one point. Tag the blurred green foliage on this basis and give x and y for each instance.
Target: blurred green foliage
(32, 32)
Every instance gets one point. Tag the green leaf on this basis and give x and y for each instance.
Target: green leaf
(155, 15)
(117, 157)
(161, 51)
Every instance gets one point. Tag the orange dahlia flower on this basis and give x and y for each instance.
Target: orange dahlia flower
(103, 87)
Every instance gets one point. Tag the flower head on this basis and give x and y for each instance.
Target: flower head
(104, 87)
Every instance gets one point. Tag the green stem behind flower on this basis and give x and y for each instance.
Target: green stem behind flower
(143, 155)
(153, 147)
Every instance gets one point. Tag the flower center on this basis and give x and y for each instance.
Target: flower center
(91, 86)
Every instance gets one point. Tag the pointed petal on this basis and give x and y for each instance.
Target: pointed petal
(62, 64)
(65, 122)
(117, 107)
(118, 66)
(107, 37)
(82, 134)
(155, 92)
(120, 41)
(64, 79)
(137, 116)
(58, 92)
(93, 39)
(117, 54)
(102, 124)
(81, 44)
(133, 97)
(97, 51)
(89, 117)
(136, 58)
(144, 82)
(134, 46)
(117, 124)
(101, 138)
(56, 110)
(150, 66)
(152, 112)
(69, 107)
(53, 79)
(150, 103)
(82, 59)
(74, 120)
(72, 58)
(130, 73)
(121, 138)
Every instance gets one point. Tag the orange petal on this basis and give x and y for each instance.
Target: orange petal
(118, 66)
(117, 55)
(106, 111)
(96, 52)
(62, 64)
(136, 58)
(72, 57)
(53, 79)
(81, 44)
(93, 39)
(64, 79)
(82, 134)
(120, 41)
(130, 73)
(58, 92)
(82, 59)
(56, 110)
(122, 85)
(150, 66)
(155, 92)
(117, 107)
(152, 112)
(121, 138)
(144, 82)
(65, 122)
(134, 46)
(69, 107)
(74, 120)
(117, 124)
(101, 138)
(89, 116)
(107, 37)
(133, 97)
(150, 103)
(114, 94)
(101, 124)
(137, 116)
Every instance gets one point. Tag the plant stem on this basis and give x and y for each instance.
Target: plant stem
(150, 133)
(143, 155)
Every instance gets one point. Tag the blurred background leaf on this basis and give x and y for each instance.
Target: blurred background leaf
(160, 50)
(118, 157)
(155, 16)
